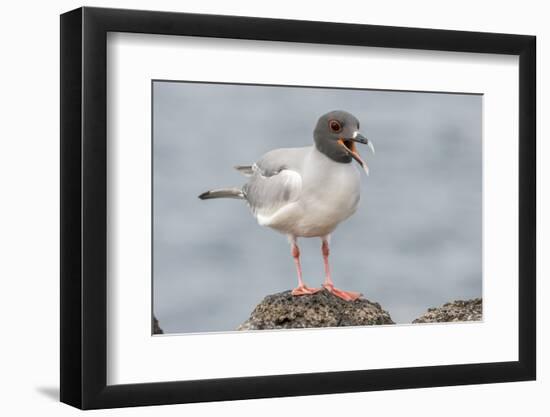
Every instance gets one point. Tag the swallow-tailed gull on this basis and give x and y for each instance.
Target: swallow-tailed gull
(307, 191)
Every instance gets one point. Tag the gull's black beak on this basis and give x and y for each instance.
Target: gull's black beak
(349, 146)
(358, 137)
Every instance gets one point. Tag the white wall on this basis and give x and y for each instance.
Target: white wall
(29, 210)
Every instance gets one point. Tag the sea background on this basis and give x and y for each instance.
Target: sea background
(415, 242)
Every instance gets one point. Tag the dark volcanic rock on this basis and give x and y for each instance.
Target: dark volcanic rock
(286, 311)
(459, 310)
(156, 327)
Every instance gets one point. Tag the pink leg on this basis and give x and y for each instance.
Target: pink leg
(302, 288)
(328, 284)
(326, 252)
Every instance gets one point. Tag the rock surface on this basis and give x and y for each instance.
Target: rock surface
(285, 311)
(156, 327)
(459, 310)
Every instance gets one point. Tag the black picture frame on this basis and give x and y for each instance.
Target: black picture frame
(84, 207)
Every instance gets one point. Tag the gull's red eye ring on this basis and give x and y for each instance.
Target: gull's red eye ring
(335, 126)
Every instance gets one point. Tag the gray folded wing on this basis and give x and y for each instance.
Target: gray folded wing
(275, 181)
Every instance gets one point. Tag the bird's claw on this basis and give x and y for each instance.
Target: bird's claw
(344, 295)
(304, 290)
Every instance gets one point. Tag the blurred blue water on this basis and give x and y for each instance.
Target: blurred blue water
(415, 241)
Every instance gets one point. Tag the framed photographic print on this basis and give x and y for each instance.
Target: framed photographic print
(258, 207)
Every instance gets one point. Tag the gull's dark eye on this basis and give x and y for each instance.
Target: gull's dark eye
(335, 126)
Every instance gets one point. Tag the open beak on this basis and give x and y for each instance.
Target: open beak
(349, 146)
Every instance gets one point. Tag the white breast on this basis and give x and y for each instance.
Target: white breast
(330, 194)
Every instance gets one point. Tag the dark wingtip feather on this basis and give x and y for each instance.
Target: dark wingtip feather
(222, 193)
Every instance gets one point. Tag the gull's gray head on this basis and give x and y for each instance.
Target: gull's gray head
(335, 135)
